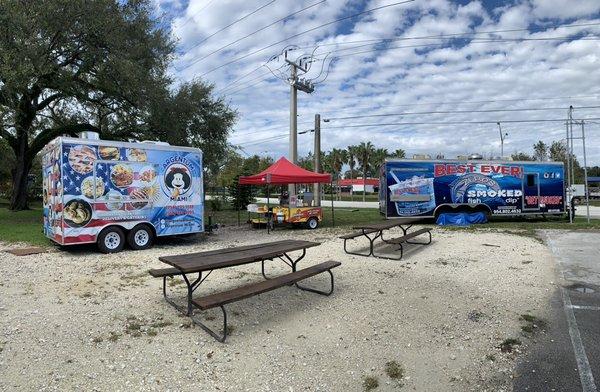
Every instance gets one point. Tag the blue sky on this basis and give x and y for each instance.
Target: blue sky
(544, 54)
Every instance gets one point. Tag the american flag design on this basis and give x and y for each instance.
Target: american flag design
(88, 187)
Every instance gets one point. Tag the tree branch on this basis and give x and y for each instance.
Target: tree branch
(47, 135)
(10, 139)
(48, 100)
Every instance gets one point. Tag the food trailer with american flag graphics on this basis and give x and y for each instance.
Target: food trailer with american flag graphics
(117, 193)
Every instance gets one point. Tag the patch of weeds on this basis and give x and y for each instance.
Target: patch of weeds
(113, 336)
(210, 355)
(526, 261)
(151, 332)
(507, 345)
(380, 292)
(186, 325)
(86, 295)
(394, 370)
(533, 323)
(175, 282)
(370, 383)
(490, 357)
(161, 324)
(98, 339)
(230, 329)
(209, 317)
(475, 315)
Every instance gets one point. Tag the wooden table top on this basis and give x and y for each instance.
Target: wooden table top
(388, 224)
(228, 257)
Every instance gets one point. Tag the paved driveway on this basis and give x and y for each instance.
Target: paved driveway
(567, 358)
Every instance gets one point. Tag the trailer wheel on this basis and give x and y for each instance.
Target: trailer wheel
(111, 240)
(140, 237)
(312, 223)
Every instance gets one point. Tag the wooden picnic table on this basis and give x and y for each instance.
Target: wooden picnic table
(377, 229)
(203, 263)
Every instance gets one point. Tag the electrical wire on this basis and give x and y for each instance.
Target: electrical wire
(256, 32)
(231, 24)
(453, 123)
(437, 36)
(455, 112)
(297, 35)
(196, 14)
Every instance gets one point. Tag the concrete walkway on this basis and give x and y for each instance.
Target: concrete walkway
(567, 357)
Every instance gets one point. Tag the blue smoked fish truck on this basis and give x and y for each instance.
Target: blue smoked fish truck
(427, 188)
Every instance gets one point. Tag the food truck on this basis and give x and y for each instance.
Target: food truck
(427, 188)
(112, 193)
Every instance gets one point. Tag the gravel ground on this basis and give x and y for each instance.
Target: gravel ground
(79, 320)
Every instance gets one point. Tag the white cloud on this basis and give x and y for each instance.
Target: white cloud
(406, 79)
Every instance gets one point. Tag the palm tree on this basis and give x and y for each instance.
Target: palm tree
(351, 154)
(365, 152)
(338, 158)
(378, 158)
(399, 153)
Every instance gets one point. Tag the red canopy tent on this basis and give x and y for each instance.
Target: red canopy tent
(285, 172)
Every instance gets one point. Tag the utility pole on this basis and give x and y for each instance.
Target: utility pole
(317, 152)
(293, 124)
(502, 136)
(296, 84)
(585, 175)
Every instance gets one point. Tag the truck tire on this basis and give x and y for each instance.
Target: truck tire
(111, 240)
(140, 237)
(312, 223)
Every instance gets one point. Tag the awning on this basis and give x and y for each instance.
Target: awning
(285, 172)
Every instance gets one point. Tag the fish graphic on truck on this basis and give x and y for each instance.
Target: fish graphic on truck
(428, 187)
(115, 192)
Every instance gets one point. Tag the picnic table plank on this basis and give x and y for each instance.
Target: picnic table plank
(386, 224)
(204, 261)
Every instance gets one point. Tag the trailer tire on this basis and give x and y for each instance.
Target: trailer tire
(312, 223)
(111, 240)
(140, 237)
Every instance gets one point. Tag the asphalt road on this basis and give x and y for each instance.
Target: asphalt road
(567, 356)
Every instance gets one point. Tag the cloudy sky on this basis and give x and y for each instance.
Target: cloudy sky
(428, 76)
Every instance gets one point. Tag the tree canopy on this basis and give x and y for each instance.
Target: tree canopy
(73, 65)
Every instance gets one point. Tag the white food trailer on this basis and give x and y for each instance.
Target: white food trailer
(112, 193)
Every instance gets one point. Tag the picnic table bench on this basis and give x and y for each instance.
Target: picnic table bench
(206, 262)
(378, 228)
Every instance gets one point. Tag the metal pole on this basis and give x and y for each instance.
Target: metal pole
(585, 176)
(332, 213)
(568, 187)
(293, 124)
(317, 152)
(570, 161)
(501, 142)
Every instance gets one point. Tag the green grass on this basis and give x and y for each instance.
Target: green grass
(22, 226)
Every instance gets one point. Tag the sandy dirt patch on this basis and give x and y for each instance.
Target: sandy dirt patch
(77, 319)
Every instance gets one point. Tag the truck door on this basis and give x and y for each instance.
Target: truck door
(531, 191)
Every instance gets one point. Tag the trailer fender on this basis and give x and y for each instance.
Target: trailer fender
(462, 207)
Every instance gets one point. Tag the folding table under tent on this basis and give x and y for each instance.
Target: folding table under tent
(284, 172)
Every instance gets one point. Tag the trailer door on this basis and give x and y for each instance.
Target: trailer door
(531, 192)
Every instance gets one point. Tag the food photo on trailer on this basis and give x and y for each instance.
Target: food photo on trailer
(117, 193)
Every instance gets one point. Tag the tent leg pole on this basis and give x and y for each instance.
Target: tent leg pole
(268, 213)
(238, 203)
(332, 213)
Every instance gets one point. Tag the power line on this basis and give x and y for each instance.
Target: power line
(382, 40)
(231, 24)
(299, 34)
(456, 111)
(453, 122)
(196, 14)
(256, 31)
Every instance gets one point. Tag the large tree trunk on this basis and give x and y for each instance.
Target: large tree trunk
(18, 199)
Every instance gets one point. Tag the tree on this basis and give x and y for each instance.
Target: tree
(365, 152)
(521, 156)
(337, 158)
(378, 159)
(351, 153)
(74, 65)
(540, 151)
(190, 116)
(307, 162)
(398, 153)
(559, 153)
